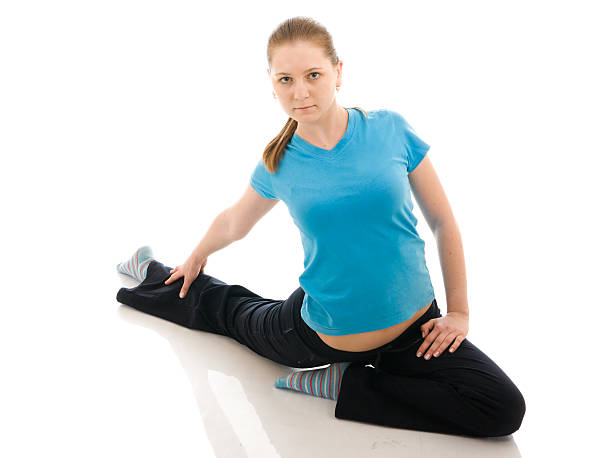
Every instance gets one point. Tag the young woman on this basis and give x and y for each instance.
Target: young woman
(365, 305)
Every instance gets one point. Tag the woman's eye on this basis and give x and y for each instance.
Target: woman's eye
(312, 73)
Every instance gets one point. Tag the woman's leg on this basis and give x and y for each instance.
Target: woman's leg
(463, 393)
(269, 327)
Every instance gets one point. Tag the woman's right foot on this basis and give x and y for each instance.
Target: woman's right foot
(323, 383)
(136, 266)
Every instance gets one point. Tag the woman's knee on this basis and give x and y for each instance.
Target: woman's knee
(509, 414)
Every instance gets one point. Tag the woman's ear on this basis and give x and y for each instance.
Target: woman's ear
(339, 74)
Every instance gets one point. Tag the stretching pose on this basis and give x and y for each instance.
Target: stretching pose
(365, 307)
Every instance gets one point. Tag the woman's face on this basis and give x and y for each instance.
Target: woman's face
(302, 76)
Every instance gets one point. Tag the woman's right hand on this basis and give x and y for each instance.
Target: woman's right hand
(190, 269)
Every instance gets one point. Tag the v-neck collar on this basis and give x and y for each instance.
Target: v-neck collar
(309, 147)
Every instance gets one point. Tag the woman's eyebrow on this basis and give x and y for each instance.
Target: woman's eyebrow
(313, 68)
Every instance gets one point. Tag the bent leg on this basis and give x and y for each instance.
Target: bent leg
(461, 393)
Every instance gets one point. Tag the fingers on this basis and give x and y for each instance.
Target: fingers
(436, 342)
(458, 341)
(440, 344)
(425, 346)
(427, 327)
(186, 283)
(185, 288)
(175, 275)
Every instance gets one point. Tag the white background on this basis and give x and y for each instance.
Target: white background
(124, 123)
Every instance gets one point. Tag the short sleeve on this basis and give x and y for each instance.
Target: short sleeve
(261, 181)
(415, 148)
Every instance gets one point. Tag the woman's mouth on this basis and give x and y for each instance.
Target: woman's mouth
(305, 108)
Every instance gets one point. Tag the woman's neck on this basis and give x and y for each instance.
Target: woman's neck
(327, 131)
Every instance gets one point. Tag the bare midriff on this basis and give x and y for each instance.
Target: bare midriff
(369, 340)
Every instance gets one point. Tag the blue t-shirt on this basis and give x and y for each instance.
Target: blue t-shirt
(364, 261)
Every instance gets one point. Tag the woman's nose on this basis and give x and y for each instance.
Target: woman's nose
(301, 91)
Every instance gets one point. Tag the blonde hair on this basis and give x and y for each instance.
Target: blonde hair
(298, 28)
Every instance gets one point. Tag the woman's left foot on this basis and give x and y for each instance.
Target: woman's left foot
(136, 266)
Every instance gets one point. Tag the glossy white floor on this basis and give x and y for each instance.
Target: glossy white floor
(86, 376)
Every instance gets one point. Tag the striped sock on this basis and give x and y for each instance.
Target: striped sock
(136, 266)
(323, 383)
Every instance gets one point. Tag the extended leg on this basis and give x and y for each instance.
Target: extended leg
(268, 327)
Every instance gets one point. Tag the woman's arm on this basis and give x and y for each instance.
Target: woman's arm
(450, 251)
(234, 223)
(452, 328)
(230, 225)
(436, 208)
(219, 235)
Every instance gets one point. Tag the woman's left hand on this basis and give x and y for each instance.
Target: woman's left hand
(443, 331)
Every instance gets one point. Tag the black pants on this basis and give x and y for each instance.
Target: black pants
(461, 393)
